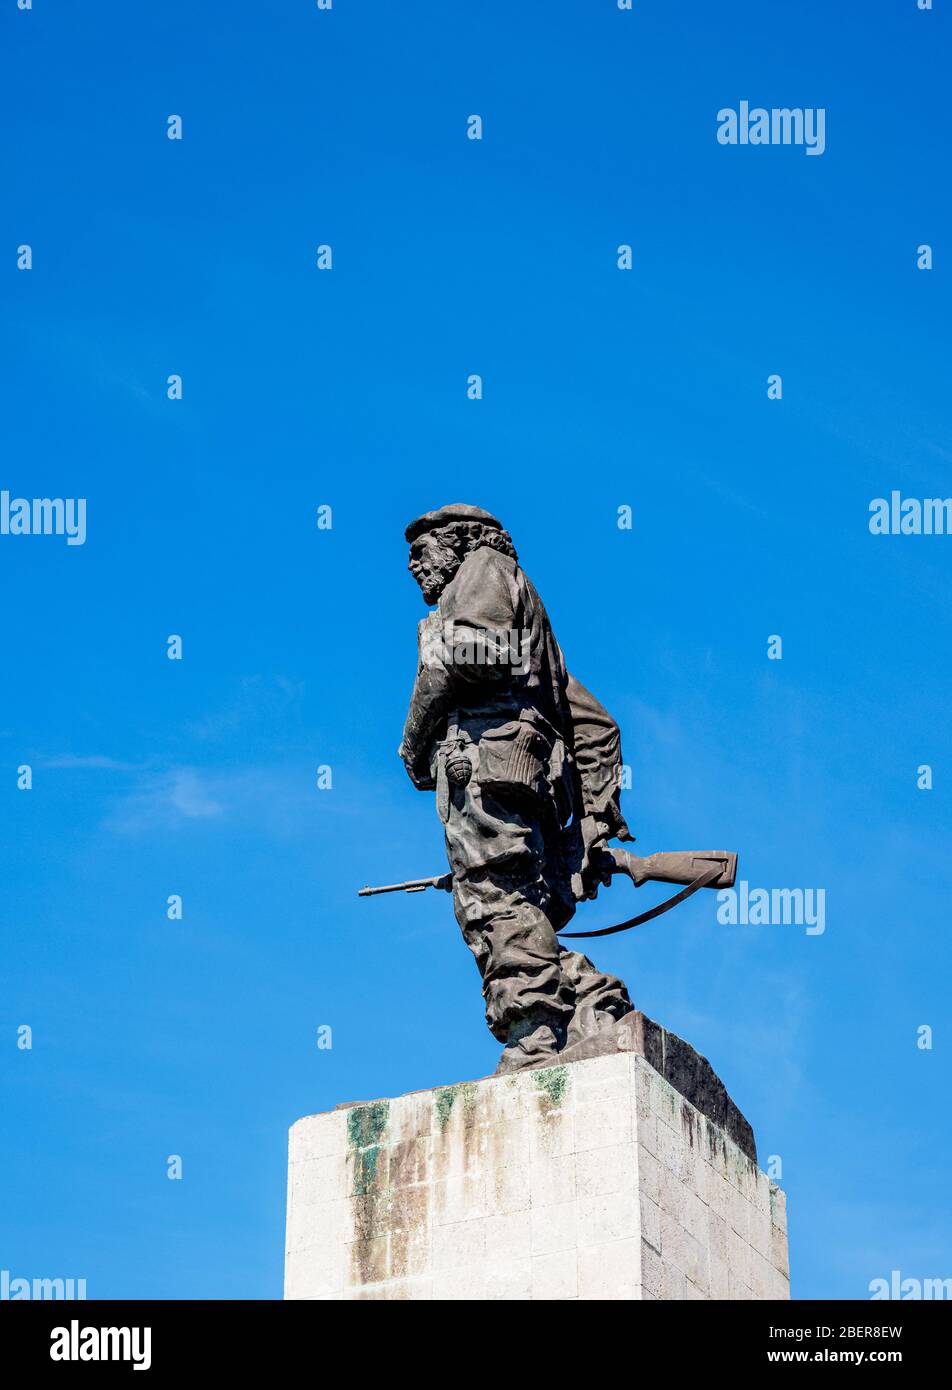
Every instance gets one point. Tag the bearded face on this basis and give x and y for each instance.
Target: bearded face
(433, 562)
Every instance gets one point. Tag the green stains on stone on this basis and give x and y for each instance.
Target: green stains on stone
(367, 1160)
(446, 1098)
(366, 1124)
(552, 1084)
(365, 1170)
(774, 1203)
(444, 1102)
(740, 1165)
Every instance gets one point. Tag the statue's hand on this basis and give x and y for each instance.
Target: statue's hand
(417, 770)
(598, 863)
(422, 780)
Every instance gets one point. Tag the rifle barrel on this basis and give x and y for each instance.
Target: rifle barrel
(412, 885)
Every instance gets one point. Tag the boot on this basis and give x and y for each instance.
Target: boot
(533, 1042)
(589, 1023)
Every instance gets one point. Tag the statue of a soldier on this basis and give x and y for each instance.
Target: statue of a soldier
(525, 764)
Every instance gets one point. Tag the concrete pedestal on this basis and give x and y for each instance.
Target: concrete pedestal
(629, 1175)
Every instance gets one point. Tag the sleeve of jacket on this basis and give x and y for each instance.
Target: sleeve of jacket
(598, 758)
(464, 643)
(429, 702)
(482, 619)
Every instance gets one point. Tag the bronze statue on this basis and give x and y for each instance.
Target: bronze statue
(526, 765)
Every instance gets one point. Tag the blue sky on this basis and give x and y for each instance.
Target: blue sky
(348, 388)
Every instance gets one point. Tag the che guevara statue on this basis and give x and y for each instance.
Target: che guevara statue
(525, 765)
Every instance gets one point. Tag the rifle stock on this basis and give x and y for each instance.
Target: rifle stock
(676, 866)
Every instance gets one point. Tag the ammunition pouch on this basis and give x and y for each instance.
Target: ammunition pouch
(512, 760)
(526, 760)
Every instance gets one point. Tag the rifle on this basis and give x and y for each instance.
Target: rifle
(695, 868)
(412, 885)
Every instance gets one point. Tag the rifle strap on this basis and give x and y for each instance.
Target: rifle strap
(701, 881)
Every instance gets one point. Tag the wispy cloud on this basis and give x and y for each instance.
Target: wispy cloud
(190, 798)
(259, 699)
(165, 801)
(277, 801)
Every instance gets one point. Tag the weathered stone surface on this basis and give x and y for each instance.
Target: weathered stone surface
(692, 1076)
(596, 1179)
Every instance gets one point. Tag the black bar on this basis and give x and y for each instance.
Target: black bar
(249, 1337)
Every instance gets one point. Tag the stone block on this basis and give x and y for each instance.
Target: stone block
(599, 1179)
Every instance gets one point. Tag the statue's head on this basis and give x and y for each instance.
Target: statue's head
(441, 540)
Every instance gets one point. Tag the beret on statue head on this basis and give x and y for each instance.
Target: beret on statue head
(455, 511)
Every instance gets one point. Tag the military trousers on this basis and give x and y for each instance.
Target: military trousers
(510, 895)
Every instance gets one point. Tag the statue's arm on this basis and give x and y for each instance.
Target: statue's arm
(598, 757)
(482, 621)
(465, 644)
(429, 704)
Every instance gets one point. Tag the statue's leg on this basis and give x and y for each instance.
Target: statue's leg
(600, 1000)
(504, 905)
